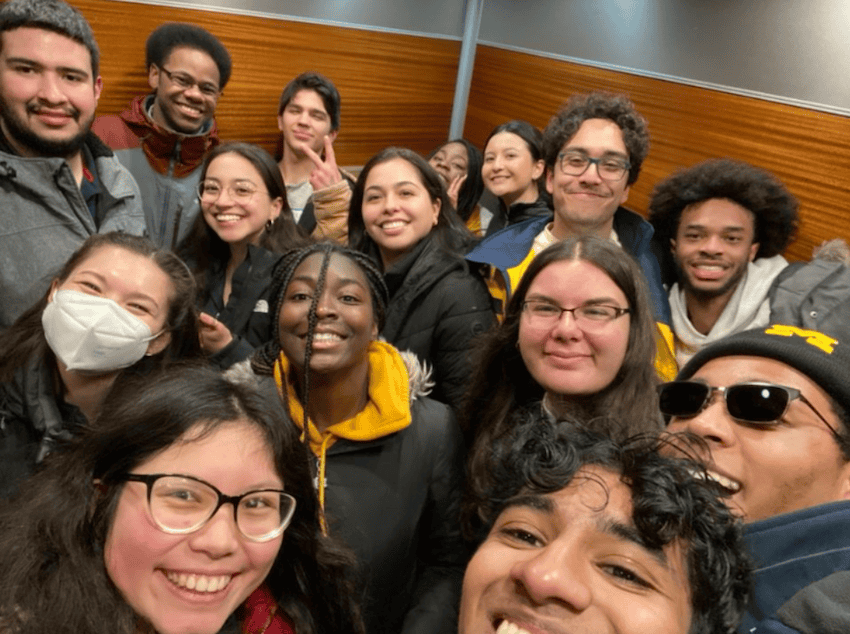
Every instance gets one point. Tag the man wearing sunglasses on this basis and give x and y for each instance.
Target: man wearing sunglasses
(726, 224)
(771, 406)
(163, 136)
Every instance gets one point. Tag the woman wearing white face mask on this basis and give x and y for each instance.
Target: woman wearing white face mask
(118, 307)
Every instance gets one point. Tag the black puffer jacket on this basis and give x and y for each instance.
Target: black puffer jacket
(437, 306)
(246, 313)
(31, 416)
(519, 212)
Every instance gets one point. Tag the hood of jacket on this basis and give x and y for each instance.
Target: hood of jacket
(161, 146)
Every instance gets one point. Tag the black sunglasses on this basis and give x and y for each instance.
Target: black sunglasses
(754, 403)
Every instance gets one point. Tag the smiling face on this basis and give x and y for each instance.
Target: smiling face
(714, 243)
(770, 469)
(154, 570)
(243, 207)
(509, 169)
(345, 321)
(305, 121)
(564, 359)
(572, 561)
(451, 161)
(185, 110)
(397, 209)
(586, 203)
(134, 282)
(48, 95)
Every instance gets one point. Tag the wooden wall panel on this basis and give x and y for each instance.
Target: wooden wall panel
(808, 150)
(396, 89)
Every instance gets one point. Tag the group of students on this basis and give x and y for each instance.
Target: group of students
(354, 403)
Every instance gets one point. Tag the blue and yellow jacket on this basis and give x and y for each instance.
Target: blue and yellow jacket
(509, 252)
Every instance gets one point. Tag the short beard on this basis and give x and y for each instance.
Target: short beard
(21, 134)
(703, 294)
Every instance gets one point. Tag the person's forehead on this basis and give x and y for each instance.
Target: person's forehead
(599, 135)
(309, 97)
(31, 39)
(719, 212)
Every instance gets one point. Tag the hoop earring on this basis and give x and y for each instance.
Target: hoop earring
(269, 225)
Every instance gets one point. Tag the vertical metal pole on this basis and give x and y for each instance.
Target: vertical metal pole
(471, 25)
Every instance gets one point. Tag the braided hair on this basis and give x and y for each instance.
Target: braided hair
(266, 356)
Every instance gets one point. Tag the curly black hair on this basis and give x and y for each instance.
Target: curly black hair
(166, 37)
(598, 105)
(774, 208)
(669, 504)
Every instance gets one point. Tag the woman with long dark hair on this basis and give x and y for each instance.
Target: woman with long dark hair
(244, 226)
(578, 338)
(167, 514)
(388, 459)
(119, 307)
(400, 215)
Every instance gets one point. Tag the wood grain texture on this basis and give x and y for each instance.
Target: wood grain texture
(808, 150)
(396, 89)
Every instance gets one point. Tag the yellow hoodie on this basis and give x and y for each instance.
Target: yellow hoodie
(386, 412)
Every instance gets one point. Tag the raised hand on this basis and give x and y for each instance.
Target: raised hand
(214, 334)
(325, 173)
(454, 188)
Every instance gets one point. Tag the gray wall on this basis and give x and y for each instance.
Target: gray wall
(789, 50)
(795, 51)
(441, 18)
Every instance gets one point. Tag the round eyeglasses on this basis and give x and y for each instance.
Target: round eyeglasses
(210, 191)
(588, 317)
(180, 504)
(610, 168)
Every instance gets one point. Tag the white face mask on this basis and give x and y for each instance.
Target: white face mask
(87, 332)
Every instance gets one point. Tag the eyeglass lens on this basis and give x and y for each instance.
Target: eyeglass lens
(750, 402)
(181, 505)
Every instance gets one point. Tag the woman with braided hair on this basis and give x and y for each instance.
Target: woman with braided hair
(389, 460)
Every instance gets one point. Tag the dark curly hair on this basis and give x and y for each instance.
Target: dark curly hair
(774, 208)
(670, 505)
(598, 105)
(52, 572)
(171, 35)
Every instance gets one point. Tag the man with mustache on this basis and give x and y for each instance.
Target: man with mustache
(59, 183)
(726, 224)
(593, 149)
(163, 136)
(772, 409)
(580, 534)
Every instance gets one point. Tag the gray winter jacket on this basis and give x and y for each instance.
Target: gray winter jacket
(44, 219)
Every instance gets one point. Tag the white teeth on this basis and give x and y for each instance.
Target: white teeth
(393, 224)
(326, 336)
(506, 627)
(728, 484)
(199, 583)
(710, 267)
(227, 217)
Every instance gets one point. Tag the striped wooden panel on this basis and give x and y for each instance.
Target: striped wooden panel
(396, 89)
(808, 150)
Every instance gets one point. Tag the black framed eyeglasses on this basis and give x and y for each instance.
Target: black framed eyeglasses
(180, 504)
(753, 403)
(608, 167)
(185, 82)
